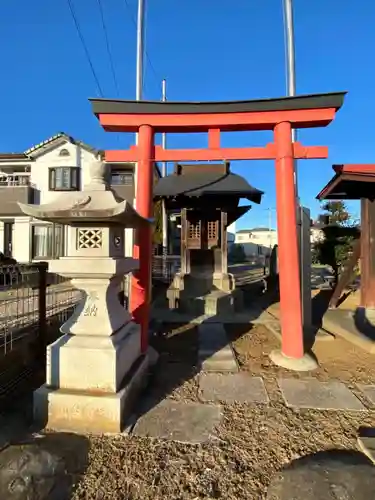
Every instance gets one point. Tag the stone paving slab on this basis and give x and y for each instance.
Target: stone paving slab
(311, 393)
(232, 387)
(191, 423)
(246, 317)
(215, 352)
(368, 391)
(330, 475)
(342, 324)
(367, 446)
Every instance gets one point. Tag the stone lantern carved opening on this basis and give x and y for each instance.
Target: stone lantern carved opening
(90, 238)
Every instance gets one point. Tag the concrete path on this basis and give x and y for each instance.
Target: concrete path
(178, 421)
(215, 352)
(232, 388)
(311, 393)
(195, 422)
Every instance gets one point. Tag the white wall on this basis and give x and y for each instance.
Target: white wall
(21, 239)
(78, 157)
(254, 239)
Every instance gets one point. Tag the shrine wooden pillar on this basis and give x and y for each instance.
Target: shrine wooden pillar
(288, 254)
(185, 257)
(367, 254)
(224, 242)
(140, 297)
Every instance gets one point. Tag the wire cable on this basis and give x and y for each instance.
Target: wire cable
(108, 47)
(76, 23)
(134, 20)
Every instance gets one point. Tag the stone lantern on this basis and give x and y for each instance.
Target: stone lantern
(96, 367)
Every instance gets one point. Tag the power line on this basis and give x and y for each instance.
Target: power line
(108, 47)
(134, 20)
(76, 23)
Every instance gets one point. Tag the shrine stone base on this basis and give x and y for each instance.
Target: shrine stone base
(211, 295)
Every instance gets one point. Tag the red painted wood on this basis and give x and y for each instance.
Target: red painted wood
(214, 138)
(141, 282)
(259, 153)
(200, 122)
(289, 275)
(365, 168)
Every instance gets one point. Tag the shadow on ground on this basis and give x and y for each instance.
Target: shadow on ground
(327, 475)
(319, 307)
(362, 324)
(43, 467)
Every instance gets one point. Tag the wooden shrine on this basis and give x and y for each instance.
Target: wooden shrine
(207, 197)
(356, 182)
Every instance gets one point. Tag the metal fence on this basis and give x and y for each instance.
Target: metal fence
(33, 306)
(164, 267)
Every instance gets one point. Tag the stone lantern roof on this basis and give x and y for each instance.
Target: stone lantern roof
(97, 204)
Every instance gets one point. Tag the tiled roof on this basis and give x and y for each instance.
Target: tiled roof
(59, 136)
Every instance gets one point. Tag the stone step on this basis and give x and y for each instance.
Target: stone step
(213, 364)
(215, 352)
(216, 302)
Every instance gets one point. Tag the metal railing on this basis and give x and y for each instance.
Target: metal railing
(12, 180)
(33, 306)
(164, 267)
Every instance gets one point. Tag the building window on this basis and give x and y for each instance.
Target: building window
(122, 178)
(64, 152)
(47, 241)
(64, 179)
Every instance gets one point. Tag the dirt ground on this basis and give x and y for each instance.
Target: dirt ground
(251, 443)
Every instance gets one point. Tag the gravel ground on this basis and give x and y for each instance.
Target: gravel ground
(251, 443)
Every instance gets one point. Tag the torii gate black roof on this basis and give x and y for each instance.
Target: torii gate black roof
(310, 101)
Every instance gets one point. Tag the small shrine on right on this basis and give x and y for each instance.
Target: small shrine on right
(356, 182)
(207, 197)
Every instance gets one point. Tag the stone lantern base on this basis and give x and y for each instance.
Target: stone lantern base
(91, 411)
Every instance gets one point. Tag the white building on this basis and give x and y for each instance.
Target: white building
(256, 241)
(50, 169)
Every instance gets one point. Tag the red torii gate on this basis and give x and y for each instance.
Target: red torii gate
(280, 115)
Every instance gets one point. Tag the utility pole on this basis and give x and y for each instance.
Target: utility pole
(139, 96)
(140, 50)
(290, 66)
(164, 136)
(164, 173)
(270, 227)
(305, 255)
(139, 67)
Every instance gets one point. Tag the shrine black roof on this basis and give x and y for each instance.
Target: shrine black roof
(206, 183)
(310, 101)
(349, 185)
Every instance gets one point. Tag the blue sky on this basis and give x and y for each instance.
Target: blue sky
(207, 50)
